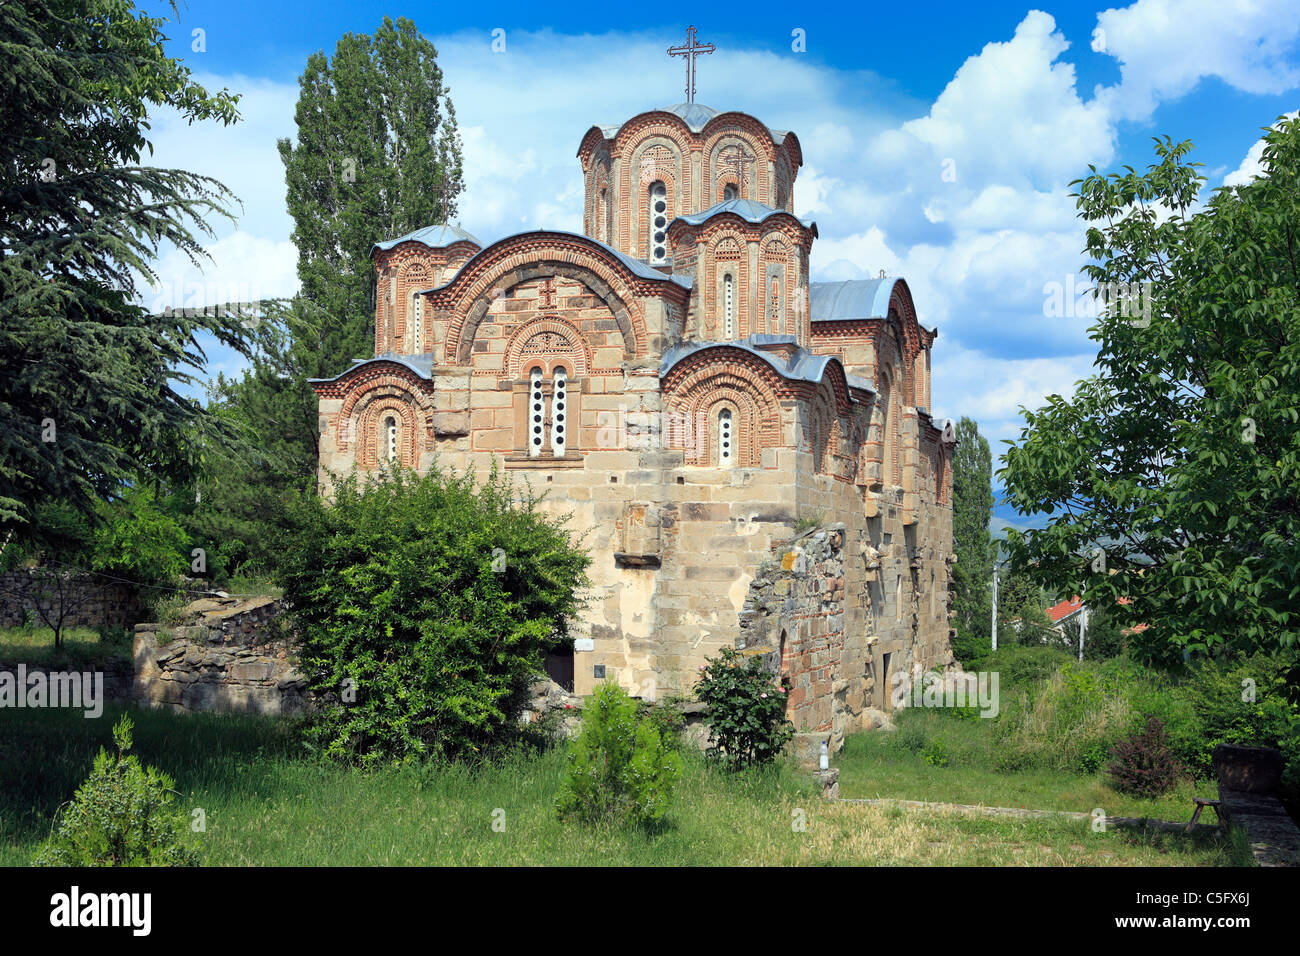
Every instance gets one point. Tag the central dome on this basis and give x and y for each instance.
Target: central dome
(695, 115)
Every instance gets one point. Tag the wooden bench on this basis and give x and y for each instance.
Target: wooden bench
(1201, 804)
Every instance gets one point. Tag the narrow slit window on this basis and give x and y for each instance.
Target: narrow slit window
(728, 307)
(536, 413)
(390, 439)
(726, 439)
(559, 416)
(657, 224)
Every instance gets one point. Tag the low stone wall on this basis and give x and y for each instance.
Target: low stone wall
(224, 656)
(89, 601)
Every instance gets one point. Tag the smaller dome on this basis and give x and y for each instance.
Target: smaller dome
(747, 209)
(694, 115)
(435, 237)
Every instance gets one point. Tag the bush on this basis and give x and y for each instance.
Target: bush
(746, 710)
(424, 606)
(935, 754)
(620, 767)
(1021, 666)
(123, 815)
(1144, 765)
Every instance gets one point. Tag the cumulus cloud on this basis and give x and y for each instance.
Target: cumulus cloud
(1165, 47)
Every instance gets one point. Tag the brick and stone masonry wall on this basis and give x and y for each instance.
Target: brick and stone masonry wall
(224, 656)
(91, 601)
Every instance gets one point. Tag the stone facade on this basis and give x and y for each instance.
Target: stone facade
(225, 656)
(674, 382)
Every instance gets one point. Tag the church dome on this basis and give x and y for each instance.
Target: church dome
(694, 115)
(435, 237)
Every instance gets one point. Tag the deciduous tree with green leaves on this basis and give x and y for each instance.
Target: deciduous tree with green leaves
(1182, 454)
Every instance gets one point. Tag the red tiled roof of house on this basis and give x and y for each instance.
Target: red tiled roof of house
(1059, 612)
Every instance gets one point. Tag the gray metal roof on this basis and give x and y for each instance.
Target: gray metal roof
(747, 209)
(696, 116)
(421, 365)
(636, 266)
(435, 237)
(851, 299)
(802, 366)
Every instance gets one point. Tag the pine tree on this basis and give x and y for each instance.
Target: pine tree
(972, 506)
(91, 380)
(377, 155)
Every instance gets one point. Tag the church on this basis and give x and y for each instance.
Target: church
(749, 455)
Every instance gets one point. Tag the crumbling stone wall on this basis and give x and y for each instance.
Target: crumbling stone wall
(226, 655)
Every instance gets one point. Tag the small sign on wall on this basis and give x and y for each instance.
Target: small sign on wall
(584, 644)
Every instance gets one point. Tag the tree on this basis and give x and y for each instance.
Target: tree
(972, 507)
(1182, 454)
(377, 155)
(90, 377)
(233, 509)
(424, 606)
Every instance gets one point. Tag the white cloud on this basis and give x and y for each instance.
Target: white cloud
(1252, 165)
(1166, 47)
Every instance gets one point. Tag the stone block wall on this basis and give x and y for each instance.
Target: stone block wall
(91, 601)
(224, 656)
(795, 615)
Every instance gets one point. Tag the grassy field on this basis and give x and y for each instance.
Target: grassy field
(82, 647)
(268, 805)
(895, 766)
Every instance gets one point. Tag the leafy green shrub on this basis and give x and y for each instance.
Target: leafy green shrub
(935, 754)
(746, 710)
(1020, 666)
(123, 815)
(424, 606)
(1144, 765)
(620, 767)
(140, 541)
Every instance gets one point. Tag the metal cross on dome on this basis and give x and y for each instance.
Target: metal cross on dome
(690, 49)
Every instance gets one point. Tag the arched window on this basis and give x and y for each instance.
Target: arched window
(390, 439)
(537, 413)
(657, 223)
(729, 192)
(728, 307)
(602, 221)
(559, 417)
(726, 440)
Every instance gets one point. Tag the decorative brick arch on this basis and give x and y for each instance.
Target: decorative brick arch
(373, 411)
(698, 387)
(529, 346)
(465, 301)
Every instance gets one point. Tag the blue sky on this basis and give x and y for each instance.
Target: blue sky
(938, 138)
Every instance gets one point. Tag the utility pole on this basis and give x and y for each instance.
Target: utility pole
(995, 605)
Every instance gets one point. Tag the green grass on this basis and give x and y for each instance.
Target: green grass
(892, 765)
(82, 647)
(266, 804)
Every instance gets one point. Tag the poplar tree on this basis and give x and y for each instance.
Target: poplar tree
(972, 507)
(377, 155)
